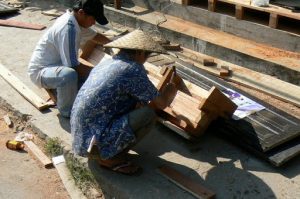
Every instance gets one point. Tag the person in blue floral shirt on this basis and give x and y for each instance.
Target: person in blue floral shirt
(116, 105)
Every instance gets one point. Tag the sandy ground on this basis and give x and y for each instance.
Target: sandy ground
(22, 176)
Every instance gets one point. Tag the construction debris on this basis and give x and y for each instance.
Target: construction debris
(8, 121)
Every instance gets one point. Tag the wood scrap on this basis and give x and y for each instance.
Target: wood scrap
(38, 154)
(7, 121)
(28, 94)
(186, 183)
(19, 24)
(174, 47)
(208, 62)
(225, 71)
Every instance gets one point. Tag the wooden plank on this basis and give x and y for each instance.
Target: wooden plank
(273, 21)
(39, 154)
(7, 121)
(186, 183)
(275, 87)
(34, 99)
(19, 24)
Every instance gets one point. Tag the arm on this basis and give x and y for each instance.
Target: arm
(166, 97)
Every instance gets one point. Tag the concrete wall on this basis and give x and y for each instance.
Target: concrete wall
(246, 29)
(133, 21)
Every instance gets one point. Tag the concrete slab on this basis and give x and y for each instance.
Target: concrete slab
(220, 166)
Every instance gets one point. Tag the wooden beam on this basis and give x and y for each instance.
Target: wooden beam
(19, 24)
(39, 154)
(212, 5)
(186, 183)
(186, 2)
(239, 12)
(273, 21)
(117, 4)
(33, 98)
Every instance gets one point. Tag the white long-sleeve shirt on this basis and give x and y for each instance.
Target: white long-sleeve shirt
(58, 47)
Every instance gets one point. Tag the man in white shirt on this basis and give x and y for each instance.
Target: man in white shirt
(54, 63)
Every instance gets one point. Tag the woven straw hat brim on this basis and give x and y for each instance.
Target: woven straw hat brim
(137, 40)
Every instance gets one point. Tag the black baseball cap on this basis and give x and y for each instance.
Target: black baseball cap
(93, 8)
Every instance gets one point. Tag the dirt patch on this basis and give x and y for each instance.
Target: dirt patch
(22, 176)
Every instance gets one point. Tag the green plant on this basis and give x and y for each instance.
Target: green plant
(54, 147)
(82, 176)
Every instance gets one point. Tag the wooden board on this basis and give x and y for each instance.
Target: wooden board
(186, 183)
(19, 24)
(270, 85)
(28, 94)
(38, 154)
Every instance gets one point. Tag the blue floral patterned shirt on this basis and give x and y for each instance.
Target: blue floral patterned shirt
(103, 103)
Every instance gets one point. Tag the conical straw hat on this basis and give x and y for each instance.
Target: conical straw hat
(137, 40)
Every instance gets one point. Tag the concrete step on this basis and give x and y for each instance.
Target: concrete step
(262, 58)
